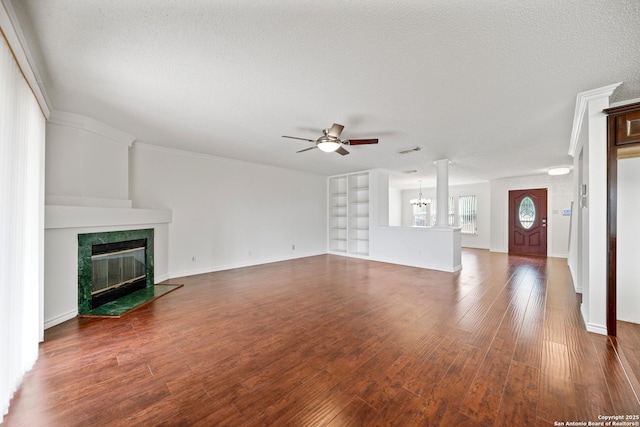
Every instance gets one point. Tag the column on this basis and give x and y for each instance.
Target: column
(442, 192)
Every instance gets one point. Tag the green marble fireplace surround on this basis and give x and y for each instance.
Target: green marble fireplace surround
(85, 270)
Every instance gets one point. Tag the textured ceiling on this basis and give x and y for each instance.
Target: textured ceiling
(489, 84)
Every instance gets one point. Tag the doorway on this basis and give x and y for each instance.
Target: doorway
(627, 237)
(528, 222)
(623, 142)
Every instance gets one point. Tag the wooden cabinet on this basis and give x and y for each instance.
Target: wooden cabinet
(624, 124)
(349, 214)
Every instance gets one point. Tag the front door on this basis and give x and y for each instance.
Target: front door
(528, 222)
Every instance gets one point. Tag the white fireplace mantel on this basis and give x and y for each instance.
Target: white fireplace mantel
(89, 216)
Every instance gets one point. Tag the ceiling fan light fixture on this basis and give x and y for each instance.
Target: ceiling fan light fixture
(327, 144)
(330, 141)
(559, 171)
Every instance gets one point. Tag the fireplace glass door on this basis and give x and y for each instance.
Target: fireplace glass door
(113, 270)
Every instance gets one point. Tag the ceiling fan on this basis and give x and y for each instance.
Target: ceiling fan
(330, 141)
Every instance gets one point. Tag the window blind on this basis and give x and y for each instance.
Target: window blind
(22, 133)
(467, 214)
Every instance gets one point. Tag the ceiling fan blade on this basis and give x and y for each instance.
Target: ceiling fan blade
(307, 149)
(361, 141)
(302, 139)
(342, 151)
(335, 131)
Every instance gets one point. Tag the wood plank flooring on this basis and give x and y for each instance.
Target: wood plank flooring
(336, 341)
(629, 339)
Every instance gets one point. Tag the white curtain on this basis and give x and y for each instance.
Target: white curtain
(22, 133)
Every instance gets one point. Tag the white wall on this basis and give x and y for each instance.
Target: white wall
(87, 163)
(628, 236)
(578, 230)
(227, 213)
(559, 197)
(481, 190)
(588, 258)
(425, 247)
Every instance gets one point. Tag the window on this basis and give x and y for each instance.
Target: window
(527, 213)
(430, 213)
(463, 215)
(452, 212)
(434, 213)
(22, 139)
(467, 214)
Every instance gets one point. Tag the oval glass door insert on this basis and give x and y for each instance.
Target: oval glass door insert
(527, 213)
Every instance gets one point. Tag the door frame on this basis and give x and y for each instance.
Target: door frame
(612, 208)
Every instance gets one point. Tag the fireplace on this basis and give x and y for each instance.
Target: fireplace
(112, 265)
(118, 270)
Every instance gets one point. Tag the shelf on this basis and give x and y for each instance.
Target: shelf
(349, 213)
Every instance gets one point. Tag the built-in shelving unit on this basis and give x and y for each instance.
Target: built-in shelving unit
(359, 214)
(349, 214)
(338, 207)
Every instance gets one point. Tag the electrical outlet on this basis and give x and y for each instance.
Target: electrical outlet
(193, 259)
(293, 247)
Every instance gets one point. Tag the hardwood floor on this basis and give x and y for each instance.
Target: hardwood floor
(629, 339)
(337, 341)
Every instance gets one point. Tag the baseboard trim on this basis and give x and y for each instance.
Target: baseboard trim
(158, 279)
(60, 319)
(224, 267)
(476, 247)
(629, 319)
(592, 327)
(596, 329)
(577, 286)
(562, 255)
(446, 269)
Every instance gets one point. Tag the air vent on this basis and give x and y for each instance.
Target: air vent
(409, 150)
(410, 171)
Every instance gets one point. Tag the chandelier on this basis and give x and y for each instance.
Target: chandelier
(420, 201)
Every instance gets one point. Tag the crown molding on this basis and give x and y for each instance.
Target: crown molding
(13, 35)
(582, 101)
(90, 125)
(625, 102)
